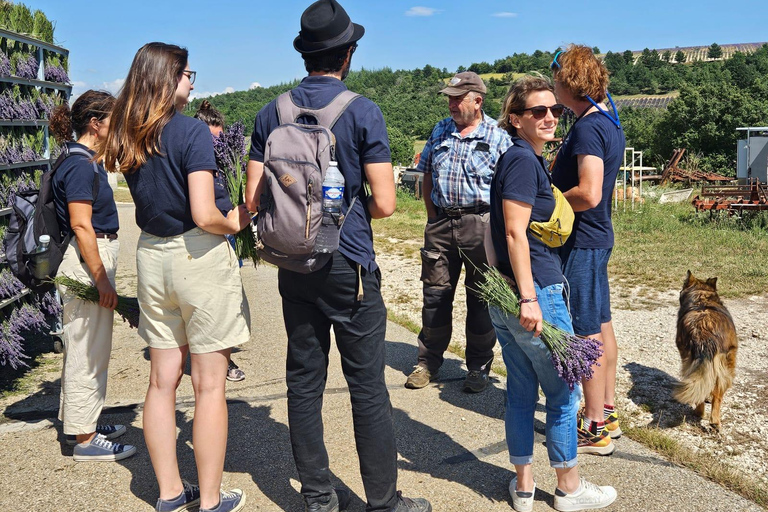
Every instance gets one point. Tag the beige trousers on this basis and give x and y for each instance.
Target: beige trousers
(87, 343)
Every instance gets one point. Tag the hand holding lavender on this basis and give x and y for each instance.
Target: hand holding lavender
(229, 148)
(572, 356)
(127, 307)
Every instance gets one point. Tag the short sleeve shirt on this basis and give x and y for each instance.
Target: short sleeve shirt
(462, 167)
(361, 138)
(160, 187)
(521, 175)
(598, 136)
(74, 181)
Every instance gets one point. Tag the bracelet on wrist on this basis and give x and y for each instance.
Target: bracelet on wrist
(528, 301)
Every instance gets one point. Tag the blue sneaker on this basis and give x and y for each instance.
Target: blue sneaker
(228, 502)
(108, 431)
(187, 500)
(101, 449)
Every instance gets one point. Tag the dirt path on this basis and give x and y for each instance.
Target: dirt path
(648, 364)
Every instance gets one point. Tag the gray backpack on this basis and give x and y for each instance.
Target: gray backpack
(296, 158)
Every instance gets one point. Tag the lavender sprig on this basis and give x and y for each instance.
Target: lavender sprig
(55, 74)
(127, 307)
(23, 319)
(572, 356)
(5, 65)
(27, 67)
(9, 285)
(229, 148)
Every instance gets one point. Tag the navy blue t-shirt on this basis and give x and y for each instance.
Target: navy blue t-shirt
(594, 135)
(521, 175)
(74, 181)
(361, 138)
(160, 188)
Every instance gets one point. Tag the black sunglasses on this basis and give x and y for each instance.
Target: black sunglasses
(190, 74)
(540, 111)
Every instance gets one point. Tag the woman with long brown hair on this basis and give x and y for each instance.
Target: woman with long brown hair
(85, 208)
(585, 170)
(521, 193)
(168, 162)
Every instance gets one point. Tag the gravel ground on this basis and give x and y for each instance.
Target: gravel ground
(648, 366)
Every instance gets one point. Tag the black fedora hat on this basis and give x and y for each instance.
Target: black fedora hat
(325, 25)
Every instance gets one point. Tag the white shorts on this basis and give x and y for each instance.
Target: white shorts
(190, 292)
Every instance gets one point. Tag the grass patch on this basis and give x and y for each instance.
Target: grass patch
(702, 463)
(657, 243)
(418, 146)
(403, 232)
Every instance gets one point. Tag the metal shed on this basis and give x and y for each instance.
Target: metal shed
(752, 154)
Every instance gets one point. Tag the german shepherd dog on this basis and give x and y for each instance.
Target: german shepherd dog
(706, 340)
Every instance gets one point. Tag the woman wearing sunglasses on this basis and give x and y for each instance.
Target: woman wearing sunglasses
(585, 171)
(168, 161)
(520, 193)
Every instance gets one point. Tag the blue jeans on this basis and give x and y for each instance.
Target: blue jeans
(529, 366)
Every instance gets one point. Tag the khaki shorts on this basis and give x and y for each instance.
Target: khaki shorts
(190, 292)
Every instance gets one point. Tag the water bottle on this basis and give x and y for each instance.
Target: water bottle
(333, 197)
(42, 263)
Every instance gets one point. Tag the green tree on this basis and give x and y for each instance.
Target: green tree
(680, 57)
(595, 50)
(401, 147)
(714, 52)
(666, 56)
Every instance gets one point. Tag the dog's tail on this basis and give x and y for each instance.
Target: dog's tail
(701, 377)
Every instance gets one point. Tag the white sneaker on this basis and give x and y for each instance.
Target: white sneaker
(521, 501)
(589, 496)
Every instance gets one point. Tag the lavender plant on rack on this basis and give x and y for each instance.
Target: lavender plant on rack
(44, 105)
(49, 305)
(229, 148)
(9, 285)
(27, 66)
(5, 65)
(55, 74)
(572, 356)
(23, 319)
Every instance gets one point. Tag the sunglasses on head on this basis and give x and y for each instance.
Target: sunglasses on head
(540, 111)
(556, 64)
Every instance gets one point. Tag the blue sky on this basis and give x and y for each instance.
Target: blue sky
(236, 44)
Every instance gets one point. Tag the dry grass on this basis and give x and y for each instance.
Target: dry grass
(122, 194)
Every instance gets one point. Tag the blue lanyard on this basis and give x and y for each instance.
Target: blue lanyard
(614, 120)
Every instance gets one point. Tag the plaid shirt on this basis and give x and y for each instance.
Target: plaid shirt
(462, 167)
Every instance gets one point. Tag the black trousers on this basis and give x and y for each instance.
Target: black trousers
(312, 304)
(449, 243)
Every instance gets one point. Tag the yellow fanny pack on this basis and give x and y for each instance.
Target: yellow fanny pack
(557, 229)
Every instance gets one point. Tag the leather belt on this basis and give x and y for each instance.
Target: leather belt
(108, 236)
(465, 210)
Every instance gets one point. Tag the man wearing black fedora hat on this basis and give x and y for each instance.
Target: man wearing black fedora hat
(346, 292)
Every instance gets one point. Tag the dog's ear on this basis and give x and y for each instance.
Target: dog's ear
(712, 281)
(688, 279)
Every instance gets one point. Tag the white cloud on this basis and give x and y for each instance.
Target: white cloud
(421, 11)
(505, 15)
(207, 94)
(113, 86)
(254, 85)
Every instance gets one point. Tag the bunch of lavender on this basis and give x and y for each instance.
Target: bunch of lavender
(27, 67)
(229, 148)
(127, 307)
(55, 74)
(8, 108)
(44, 105)
(23, 319)
(49, 304)
(572, 356)
(5, 65)
(9, 285)
(25, 110)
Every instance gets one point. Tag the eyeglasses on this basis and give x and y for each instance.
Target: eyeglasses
(352, 49)
(540, 111)
(556, 64)
(190, 74)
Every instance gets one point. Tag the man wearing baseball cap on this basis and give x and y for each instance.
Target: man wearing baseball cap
(458, 162)
(346, 291)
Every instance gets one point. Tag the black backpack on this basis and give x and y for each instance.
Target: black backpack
(34, 214)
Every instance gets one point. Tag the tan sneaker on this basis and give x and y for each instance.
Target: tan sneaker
(419, 378)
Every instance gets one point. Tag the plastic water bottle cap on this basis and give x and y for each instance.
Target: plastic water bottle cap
(45, 239)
